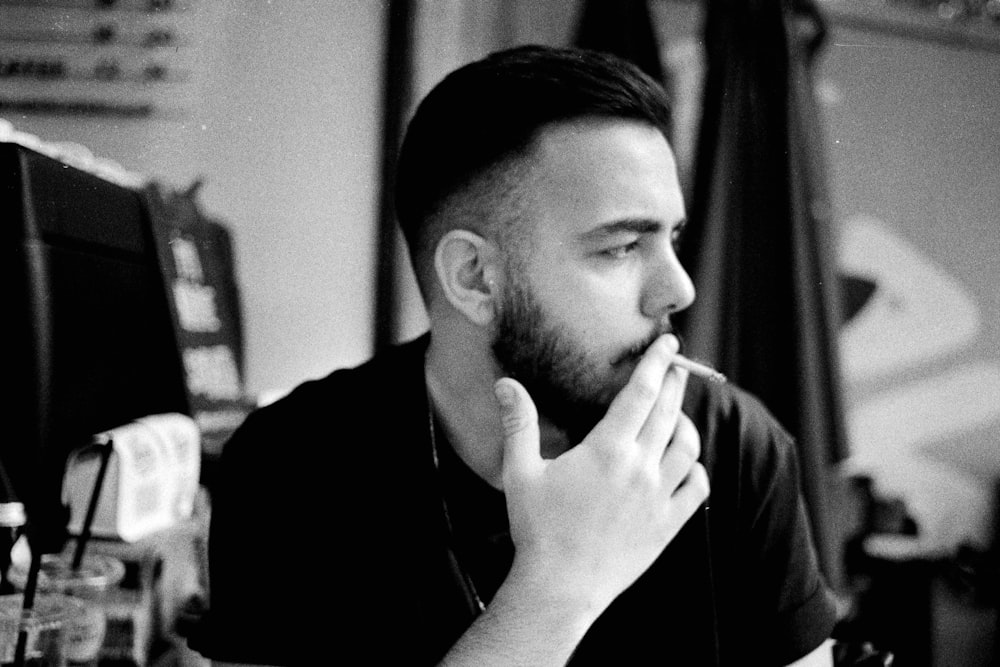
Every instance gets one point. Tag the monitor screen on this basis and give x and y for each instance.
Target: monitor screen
(92, 345)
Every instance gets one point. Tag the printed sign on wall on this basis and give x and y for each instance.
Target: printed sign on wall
(130, 58)
(196, 260)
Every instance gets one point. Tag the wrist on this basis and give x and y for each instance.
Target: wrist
(522, 625)
(554, 601)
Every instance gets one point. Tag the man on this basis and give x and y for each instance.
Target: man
(528, 484)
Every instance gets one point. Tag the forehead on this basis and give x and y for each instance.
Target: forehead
(597, 171)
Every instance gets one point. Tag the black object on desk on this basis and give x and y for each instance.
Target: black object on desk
(88, 318)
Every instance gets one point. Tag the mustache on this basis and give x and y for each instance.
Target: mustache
(635, 352)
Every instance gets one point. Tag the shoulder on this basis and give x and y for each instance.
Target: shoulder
(727, 415)
(387, 371)
(763, 554)
(317, 416)
(745, 449)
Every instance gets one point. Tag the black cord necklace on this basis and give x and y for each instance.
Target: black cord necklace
(469, 588)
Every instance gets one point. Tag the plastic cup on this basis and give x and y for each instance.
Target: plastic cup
(44, 627)
(89, 584)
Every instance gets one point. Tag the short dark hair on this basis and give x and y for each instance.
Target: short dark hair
(489, 111)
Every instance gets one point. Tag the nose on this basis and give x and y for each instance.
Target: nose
(668, 288)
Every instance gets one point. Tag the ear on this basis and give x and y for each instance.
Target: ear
(466, 267)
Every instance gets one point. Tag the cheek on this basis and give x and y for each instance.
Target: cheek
(602, 318)
(601, 309)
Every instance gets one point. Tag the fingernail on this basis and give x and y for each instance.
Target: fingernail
(504, 394)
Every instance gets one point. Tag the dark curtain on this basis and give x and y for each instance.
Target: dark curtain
(623, 28)
(759, 243)
(396, 98)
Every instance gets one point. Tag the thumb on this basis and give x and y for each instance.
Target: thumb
(519, 420)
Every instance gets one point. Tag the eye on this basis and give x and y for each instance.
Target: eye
(621, 251)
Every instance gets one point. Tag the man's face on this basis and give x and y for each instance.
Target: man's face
(599, 276)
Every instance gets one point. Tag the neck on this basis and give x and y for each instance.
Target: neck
(460, 374)
(461, 397)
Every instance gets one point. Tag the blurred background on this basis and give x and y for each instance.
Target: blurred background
(281, 120)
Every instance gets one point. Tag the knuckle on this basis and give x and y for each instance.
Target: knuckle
(645, 477)
(645, 390)
(616, 457)
(518, 414)
(515, 422)
(687, 438)
(698, 478)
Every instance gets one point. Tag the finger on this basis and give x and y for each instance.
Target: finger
(662, 421)
(629, 410)
(519, 422)
(681, 455)
(693, 492)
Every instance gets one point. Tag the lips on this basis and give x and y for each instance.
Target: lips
(634, 353)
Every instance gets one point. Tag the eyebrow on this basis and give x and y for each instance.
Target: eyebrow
(628, 225)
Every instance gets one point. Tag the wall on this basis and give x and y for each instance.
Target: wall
(284, 128)
(913, 128)
(293, 164)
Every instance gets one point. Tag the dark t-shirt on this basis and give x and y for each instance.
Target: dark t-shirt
(328, 538)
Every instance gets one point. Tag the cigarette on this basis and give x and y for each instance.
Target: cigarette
(699, 369)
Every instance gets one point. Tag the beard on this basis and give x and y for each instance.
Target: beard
(569, 385)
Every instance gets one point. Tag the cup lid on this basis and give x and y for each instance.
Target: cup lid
(56, 573)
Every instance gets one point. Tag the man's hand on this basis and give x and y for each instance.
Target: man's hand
(588, 523)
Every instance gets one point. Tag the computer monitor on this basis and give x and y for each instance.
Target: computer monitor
(92, 344)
